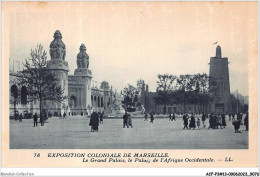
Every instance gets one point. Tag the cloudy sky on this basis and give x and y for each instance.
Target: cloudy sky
(127, 41)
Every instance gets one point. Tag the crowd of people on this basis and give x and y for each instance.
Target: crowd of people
(192, 121)
(216, 121)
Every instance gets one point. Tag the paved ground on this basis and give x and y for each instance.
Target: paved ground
(74, 133)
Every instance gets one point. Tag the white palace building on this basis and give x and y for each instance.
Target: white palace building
(83, 93)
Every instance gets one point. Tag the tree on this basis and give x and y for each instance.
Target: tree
(203, 92)
(184, 86)
(166, 85)
(130, 97)
(42, 84)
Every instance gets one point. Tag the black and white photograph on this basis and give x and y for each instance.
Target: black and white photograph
(122, 75)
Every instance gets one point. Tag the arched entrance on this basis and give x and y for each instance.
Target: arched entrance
(24, 95)
(72, 102)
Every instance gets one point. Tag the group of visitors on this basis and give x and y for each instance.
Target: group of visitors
(238, 122)
(217, 120)
(35, 119)
(151, 116)
(192, 122)
(172, 117)
(127, 120)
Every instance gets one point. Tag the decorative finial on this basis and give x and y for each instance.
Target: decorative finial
(218, 52)
(82, 57)
(57, 47)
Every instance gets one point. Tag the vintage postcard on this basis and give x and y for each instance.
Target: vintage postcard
(129, 84)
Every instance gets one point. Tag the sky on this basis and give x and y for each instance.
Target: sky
(127, 41)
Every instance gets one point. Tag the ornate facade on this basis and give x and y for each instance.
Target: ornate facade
(83, 95)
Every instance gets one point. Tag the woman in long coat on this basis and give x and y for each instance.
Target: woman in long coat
(192, 122)
(223, 120)
(151, 118)
(211, 121)
(95, 121)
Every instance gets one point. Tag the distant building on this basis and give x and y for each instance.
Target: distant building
(222, 102)
(147, 98)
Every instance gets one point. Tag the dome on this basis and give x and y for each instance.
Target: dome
(105, 85)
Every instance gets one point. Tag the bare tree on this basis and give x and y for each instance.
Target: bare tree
(42, 84)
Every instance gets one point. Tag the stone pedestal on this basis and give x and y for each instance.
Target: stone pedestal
(83, 72)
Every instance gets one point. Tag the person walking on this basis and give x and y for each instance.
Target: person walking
(35, 119)
(170, 117)
(151, 118)
(145, 117)
(101, 118)
(185, 121)
(203, 119)
(192, 122)
(21, 117)
(198, 123)
(223, 123)
(173, 117)
(95, 121)
(218, 119)
(125, 120)
(211, 121)
(64, 115)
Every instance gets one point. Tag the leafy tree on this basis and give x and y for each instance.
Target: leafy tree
(203, 93)
(130, 97)
(185, 85)
(166, 86)
(41, 83)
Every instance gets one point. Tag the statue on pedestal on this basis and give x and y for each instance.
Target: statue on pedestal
(82, 58)
(57, 47)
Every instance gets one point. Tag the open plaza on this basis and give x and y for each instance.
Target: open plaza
(74, 133)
